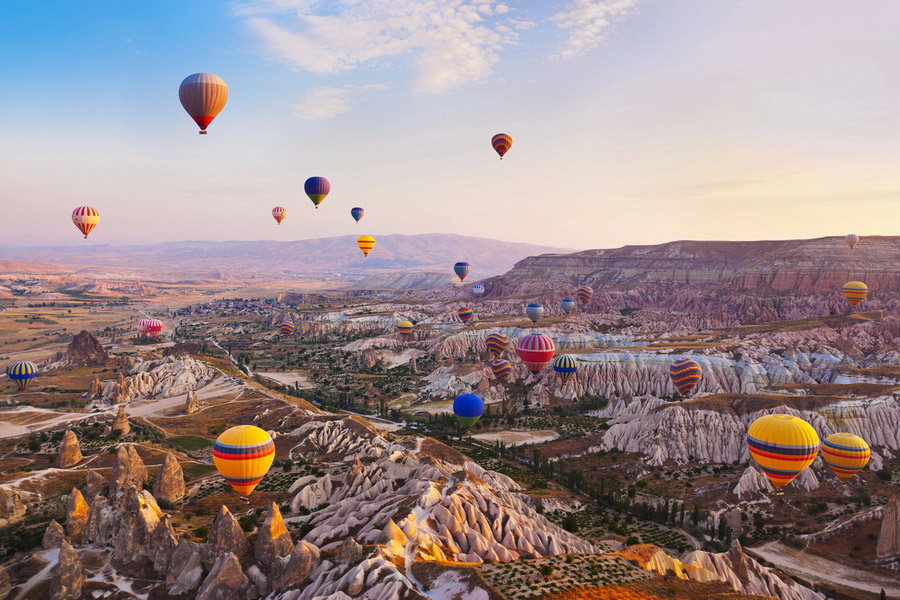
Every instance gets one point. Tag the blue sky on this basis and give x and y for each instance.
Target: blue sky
(634, 121)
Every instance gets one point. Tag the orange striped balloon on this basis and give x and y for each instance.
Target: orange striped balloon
(366, 243)
(845, 454)
(203, 96)
(855, 292)
(85, 219)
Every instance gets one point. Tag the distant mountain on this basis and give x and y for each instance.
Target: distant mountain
(335, 258)
(31, 268)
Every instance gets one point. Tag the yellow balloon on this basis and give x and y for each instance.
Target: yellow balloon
(783, 445)
(243, 455)
(366, 243)
(845, 454)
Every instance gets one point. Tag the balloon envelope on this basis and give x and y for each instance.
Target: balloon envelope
(151, 327)
(845, 454)
(501, 368)
(85, 219)
(478, 290)
(783, 445)
(465, 314)
(501, 143)
(568, 305)
(366, 243)
(405, 329)
(286, 328)
(685, 374)
(461, 269)
(852, 239)
(534, 312)
(565, 366)
(496, 343)
(243, 455)
(279, 212)
(536, 351)
(357, 213)
(855, 292)
(584, 294)
(317, 188)
(203, 96)
(22, 373)
(468, 408)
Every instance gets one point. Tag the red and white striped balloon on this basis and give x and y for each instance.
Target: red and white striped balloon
(85, 219)
(536, 351)
(151, 327)
(279, 212)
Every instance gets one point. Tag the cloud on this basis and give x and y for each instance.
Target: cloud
(589, 22)
(327, 102)
(448, 42)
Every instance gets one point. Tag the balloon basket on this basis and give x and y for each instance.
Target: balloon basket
(202, 132)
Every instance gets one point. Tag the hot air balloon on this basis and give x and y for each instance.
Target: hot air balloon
(357, 213)
(22, 373)
(584, 294)
(852, 240)
(286, 329)
(405, 329)
(501, 368)
(85, 219)
(461, 269)
(279, 212)
(845, 454)
(536, 351)
(534, 311)
(317, 188)
(565, 366)
(783, 445)
(685, 374)
(501, 143)
(465, 314)
(366, 243)
(478, 290)
(153, 327)
(568, 305)
(855, 292)
(468, 408)
(243, 455)
(141, 326)
(203, 96)
(496, 343)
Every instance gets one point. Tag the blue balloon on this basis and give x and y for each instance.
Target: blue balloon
(468, 408)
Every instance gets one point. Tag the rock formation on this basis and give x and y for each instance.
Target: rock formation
(12, 508)
(96, 484)
(226, 580)
(121, 392)
(85, 351)
(5, 584)
(69, 450)
(67, 576)
(120, 425)
(192, 403)
(296, 568)
(225, 536)
(163, 542)
(163, 378)
(169, 482)
(53, 536)
(888, 548)
(273, 542)
(128, 470)
(137, 519)
(185, 570)
(94, 390)
(77, 513)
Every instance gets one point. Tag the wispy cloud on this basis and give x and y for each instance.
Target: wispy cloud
(449, 43)
(327, 102)
(589, 22)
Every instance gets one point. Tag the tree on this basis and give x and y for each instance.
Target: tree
(883, 595)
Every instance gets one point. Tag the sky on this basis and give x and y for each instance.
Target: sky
(633, 121)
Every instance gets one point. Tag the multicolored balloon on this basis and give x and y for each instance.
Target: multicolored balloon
(783, 445)
(465, 314)
(584, 294)
(357, 213)
(534, 311)
(243, 456)
(496, 343)
(468, 408)
(845, 454)
(536, 351)
(855, 292)
(279, 212)
(685, 374)
(317, 188)
(478, 290)
(366, 243)
(565, 366)
(852, 240)
(286, 329)
(149, 327)
(501, 143)
(85, 219)
(22, 373)
(203, 96)
(461, 269)
(501, 368)
(405, 329)
(567, 305)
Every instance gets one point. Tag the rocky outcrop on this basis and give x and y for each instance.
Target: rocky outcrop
(12, 508)
(94, 390)
(96, 484)
(5, 584)
(185, 571)
(192, 403)
(86, 351)
(163, 542)
(295, 569)
(69, 450)
(121, 393)
(136, 520)
(77, 513)
(273, 542)
(129, 470)
(163, 378)
(53, 535)
(120, 425)
(68, 575)
(225, 536)
(888, 548)
(169, 482)
(226, 580)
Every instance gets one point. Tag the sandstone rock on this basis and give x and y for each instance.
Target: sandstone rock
(128, 470)
(162, 378)
(185, 570)
(137, 519)
(225, 536)
(349, 552)
(122, 393)
(273, 540)
(169, 482)
(5, 584)
(96, 484)
(226, 580)
(120, 425)
(163, 542)
(12, 508)
(85, 350)
(94, 390)
(192, 403)
(68, 575)
(77, 513)
(53, 536)
(888, 548)
(69, 450)
(294, 570)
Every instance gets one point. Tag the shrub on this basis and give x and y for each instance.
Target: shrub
(201, 532)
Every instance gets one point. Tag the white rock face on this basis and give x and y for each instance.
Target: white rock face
(162, 378)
